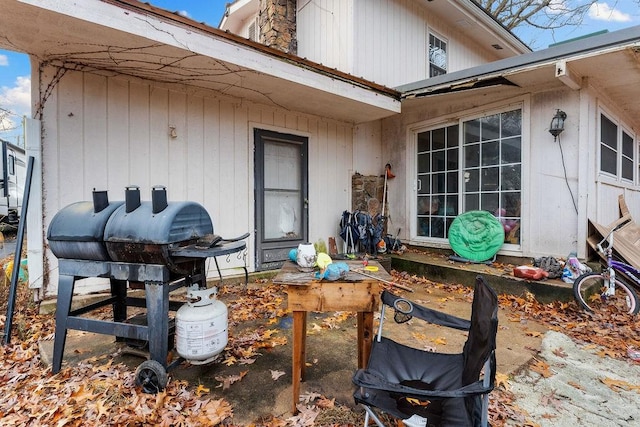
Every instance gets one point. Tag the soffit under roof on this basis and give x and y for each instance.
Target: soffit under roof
(135, 39)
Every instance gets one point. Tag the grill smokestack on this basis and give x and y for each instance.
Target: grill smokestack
(158, 198)
(132, 198)
(100, 200)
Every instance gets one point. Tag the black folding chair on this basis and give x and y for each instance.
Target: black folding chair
(427, 388)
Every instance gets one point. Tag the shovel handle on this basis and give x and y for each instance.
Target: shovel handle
(397, 285)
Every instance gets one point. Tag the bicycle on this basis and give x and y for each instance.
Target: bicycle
(597, 292)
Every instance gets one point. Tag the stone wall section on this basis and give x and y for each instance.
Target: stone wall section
(277, 21)
(366, 193)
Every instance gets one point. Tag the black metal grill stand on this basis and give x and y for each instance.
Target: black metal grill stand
(158, 281)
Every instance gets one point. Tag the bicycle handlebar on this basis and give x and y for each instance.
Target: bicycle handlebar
(609, 235)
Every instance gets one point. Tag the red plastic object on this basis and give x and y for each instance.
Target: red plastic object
(532, 273)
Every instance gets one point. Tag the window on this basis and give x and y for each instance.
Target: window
(11, 165)
(254, 31)
(437, 56)
(473, 165)
(617, 150)
(493, 168)
(438, 169)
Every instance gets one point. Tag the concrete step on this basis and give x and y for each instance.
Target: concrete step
(436, 266)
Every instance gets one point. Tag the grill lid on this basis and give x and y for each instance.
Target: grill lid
(178, 222)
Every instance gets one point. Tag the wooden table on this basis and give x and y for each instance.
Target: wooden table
(353, 293)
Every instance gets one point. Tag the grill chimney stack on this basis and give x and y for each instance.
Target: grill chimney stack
(100, 200)
(158, 198)
(132, 198)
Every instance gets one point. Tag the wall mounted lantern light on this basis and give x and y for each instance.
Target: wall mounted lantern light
(557, 124)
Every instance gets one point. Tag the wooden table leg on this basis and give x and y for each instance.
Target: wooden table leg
(365, 335)
(299, 341)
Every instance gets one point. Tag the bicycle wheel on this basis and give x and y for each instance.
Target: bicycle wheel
(589, 290)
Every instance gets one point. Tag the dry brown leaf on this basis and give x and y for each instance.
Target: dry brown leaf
(324, 403)
(419, 336)
(228, 380)
(617, 385)
(439, 341)
(575, 385)
(200, 390)
(230, 361)
(502, 380)
(560, 352)
(541, 368)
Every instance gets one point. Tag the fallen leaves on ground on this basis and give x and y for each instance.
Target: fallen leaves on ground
(616, 385)
(99, 392)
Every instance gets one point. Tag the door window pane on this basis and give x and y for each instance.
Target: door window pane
(282, 190)
(438, 189)
(492, 169)
(510, 178)
(471, 131)
(472, 155)
(510, 150)
(511, 123)
(490, 153)
(490, 127)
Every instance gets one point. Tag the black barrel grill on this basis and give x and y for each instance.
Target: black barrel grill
(159, 246)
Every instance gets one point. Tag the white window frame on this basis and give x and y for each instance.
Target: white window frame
(441, 39)
(412, 133)
(622, 128)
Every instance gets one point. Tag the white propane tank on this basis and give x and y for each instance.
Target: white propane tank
(201, 326)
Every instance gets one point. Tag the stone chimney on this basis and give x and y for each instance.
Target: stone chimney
(277, 20)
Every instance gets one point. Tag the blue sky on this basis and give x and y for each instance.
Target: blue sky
(15, 70)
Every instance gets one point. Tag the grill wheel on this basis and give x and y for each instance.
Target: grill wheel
(151, 376)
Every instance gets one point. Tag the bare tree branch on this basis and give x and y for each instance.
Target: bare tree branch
(541, 14)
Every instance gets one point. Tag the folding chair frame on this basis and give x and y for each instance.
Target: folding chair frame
(405, 306)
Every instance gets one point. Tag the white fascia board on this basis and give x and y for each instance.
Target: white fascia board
(199, 42)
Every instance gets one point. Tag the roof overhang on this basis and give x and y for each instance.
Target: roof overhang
(127, 37)
(465, 16)
(610, 62)
(469, 18)
(237, 13)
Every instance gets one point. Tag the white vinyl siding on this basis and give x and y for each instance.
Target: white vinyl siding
(325, 33)
(370, 38)
(109, 132)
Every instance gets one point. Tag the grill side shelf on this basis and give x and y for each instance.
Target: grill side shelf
(195, 251)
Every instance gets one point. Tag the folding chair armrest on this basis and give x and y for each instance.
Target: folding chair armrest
(427, 314)
(235, 239)
(366, 379)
